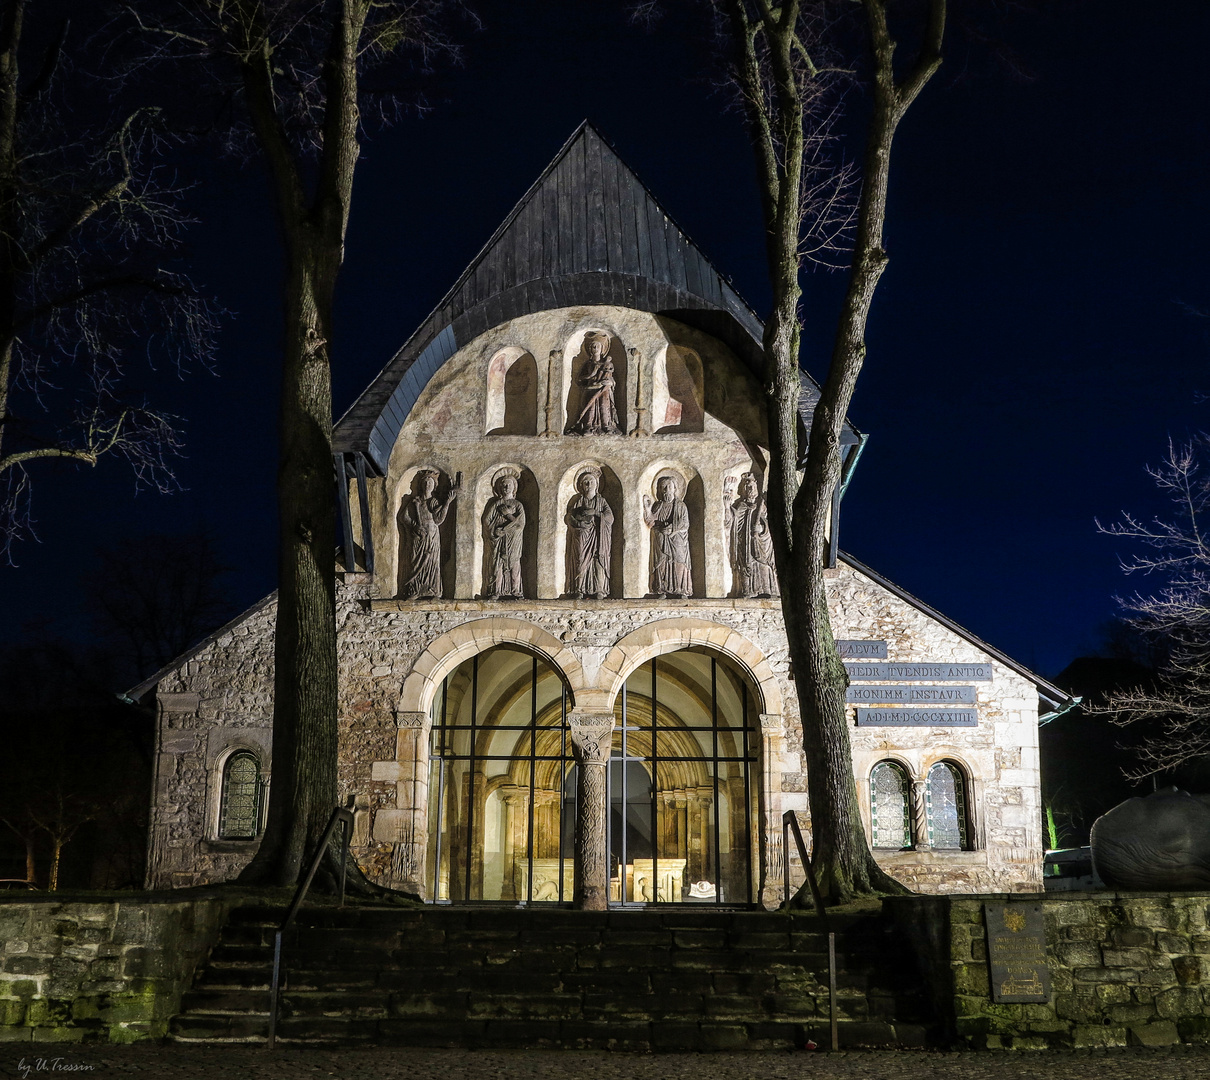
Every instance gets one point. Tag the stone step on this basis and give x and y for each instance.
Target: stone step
(235, 976)
(221, 1000)
(612, 1033)
(655, 979)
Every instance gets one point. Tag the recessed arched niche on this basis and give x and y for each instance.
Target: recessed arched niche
(688, 488)
(591, 531)
(595, 363)
(427, 535)
(512, 393)
(676, 392)
(496, 493)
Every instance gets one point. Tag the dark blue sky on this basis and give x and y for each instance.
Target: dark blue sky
(1034, 343)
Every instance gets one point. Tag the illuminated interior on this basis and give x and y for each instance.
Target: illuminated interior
(502, 788)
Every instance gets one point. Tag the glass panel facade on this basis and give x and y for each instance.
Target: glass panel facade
(239, 814)
(501, 782)
(946, 799)
(890, 806)
(682, 776)
(681, 784)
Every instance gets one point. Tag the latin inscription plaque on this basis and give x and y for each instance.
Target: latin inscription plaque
(889, 672)
(917, 717)
(910, 695)
(862, 650)
(1016, 952)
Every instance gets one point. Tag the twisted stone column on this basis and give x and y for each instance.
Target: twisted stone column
(920, 817)
(591, 741)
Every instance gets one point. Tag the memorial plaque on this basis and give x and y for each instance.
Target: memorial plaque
(862, 650)
(910, 695)
(890, 672)
(917, 717)
(1016, 952)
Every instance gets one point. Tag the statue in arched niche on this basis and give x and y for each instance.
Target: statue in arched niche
(750, 544)
(421, 517)
(504, 522)
(590, 537)
(599, 412)
(668, 520)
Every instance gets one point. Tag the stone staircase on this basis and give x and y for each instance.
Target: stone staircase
(502, 977)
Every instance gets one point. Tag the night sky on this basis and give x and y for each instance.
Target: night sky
(1037, 338)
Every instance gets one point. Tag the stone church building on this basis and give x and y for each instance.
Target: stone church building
(563, 668)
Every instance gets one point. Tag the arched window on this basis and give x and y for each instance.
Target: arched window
(890, 806)
(239, 811)
(946, 801)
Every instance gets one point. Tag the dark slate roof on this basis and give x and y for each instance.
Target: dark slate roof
(587, 232)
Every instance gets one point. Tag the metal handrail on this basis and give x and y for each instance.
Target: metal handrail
(339, 815)
(789, 823)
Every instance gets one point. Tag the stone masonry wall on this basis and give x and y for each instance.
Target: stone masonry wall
(221, 700)
(1126, 969)
(105, 971)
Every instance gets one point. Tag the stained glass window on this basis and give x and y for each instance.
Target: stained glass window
(240, 811)
(890, 806)
(946, 798)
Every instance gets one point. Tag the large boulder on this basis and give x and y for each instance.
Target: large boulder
(1158, 842)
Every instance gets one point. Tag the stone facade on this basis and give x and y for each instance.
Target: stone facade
(687, 408)
(1127, 969)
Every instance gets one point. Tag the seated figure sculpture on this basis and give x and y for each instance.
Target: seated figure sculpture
(598, 411)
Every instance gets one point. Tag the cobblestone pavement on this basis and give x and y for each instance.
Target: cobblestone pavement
(45, 1062)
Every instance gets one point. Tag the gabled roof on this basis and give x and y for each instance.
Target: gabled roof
(1058, 700)
(587, 232)
(137, 693)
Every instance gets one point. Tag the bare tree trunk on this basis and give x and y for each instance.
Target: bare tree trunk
(31, 864)
(56, 854)
(773, 84)
(304, 790)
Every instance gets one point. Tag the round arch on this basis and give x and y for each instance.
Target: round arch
(670, 635)
(447, 651)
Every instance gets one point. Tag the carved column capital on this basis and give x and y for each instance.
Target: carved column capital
(591, 736)
(772, 723)
(408, 719)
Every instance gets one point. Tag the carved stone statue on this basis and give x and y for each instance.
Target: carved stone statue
(668, 520)
(599, 413)
(751, 546)
(590, 538)
(504, 523)
(421, 517)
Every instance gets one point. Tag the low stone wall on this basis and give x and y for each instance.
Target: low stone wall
(109, 970)
(1125, 968)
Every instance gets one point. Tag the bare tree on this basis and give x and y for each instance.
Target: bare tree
(157, 596)
(75, 791)
(1176, 616)
(295, 70)
(789, 63)
(88, 232)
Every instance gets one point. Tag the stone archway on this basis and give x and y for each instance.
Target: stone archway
(406, 825)
(669, 635)
(446, 652)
